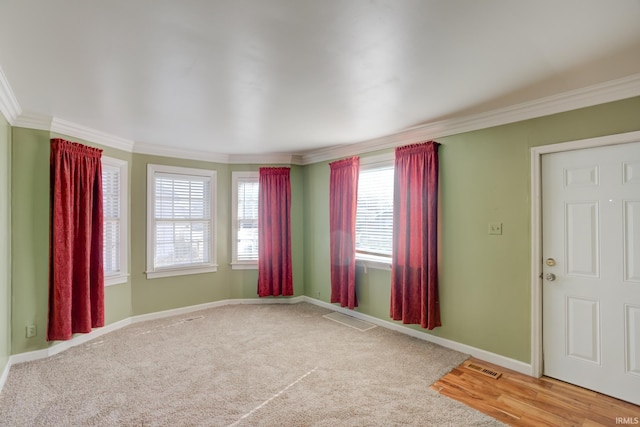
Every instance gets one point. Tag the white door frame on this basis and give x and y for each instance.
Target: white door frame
(536, 230)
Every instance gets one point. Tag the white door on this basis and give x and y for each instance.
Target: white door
(591, 244)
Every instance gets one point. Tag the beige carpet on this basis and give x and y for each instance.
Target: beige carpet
(242, 365)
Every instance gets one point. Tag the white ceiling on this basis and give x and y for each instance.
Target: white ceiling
(288, 76)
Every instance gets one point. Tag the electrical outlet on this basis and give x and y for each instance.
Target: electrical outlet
(495, 228)
(32, 331)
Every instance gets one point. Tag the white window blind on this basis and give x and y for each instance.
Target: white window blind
(111, 188)
(247, 219)
(114, 205)
(374, 215)
(182, 220)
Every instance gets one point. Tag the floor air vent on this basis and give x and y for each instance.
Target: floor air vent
(350, 321)
(484, 371)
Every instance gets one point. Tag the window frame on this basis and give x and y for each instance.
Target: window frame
(211, 266)
(122, 166)
(368, 260)
(235, 263)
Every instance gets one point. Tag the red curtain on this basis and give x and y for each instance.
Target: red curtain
(274, 233)
(343, 201)
(76, 276)
(414, 269)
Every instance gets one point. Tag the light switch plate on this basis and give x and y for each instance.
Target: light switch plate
(495, 228)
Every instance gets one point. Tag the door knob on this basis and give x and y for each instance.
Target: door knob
(550, 277)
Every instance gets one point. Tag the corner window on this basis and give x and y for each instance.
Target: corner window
(114, 204)
(180, 221)
(374, 215)
(244, 228)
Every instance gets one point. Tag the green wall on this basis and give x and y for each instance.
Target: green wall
(5, 242)
(151, 295)
(30, 190)
(485, 291)
(172, 292)
(484, 280)
(30, 253)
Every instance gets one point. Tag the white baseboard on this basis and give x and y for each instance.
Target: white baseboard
(61, 346)
(198, 307)
(488, 356)
(81, 339)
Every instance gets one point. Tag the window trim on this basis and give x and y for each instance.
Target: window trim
(365, 260)
(152, 272)
(123, 169)
(235, 263)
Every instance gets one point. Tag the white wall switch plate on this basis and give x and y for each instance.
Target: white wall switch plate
(495, 228)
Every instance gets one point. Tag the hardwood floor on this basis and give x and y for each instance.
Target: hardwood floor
(519, 400)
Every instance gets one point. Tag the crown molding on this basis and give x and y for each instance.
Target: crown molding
(296, 159)
(9, 106)
(78, 131)
(180, 153)
(610, 91)
(259, 159)
(263, 159)
(37, 121)
(31, 120)
(613, 90)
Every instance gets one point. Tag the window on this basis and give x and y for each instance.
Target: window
(181, 221)
(114, 203)
(374, 215)
(244, 228)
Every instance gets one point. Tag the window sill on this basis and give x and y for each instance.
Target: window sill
(244, 265)
(116, 279)
(374, 262)
(181, 271)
